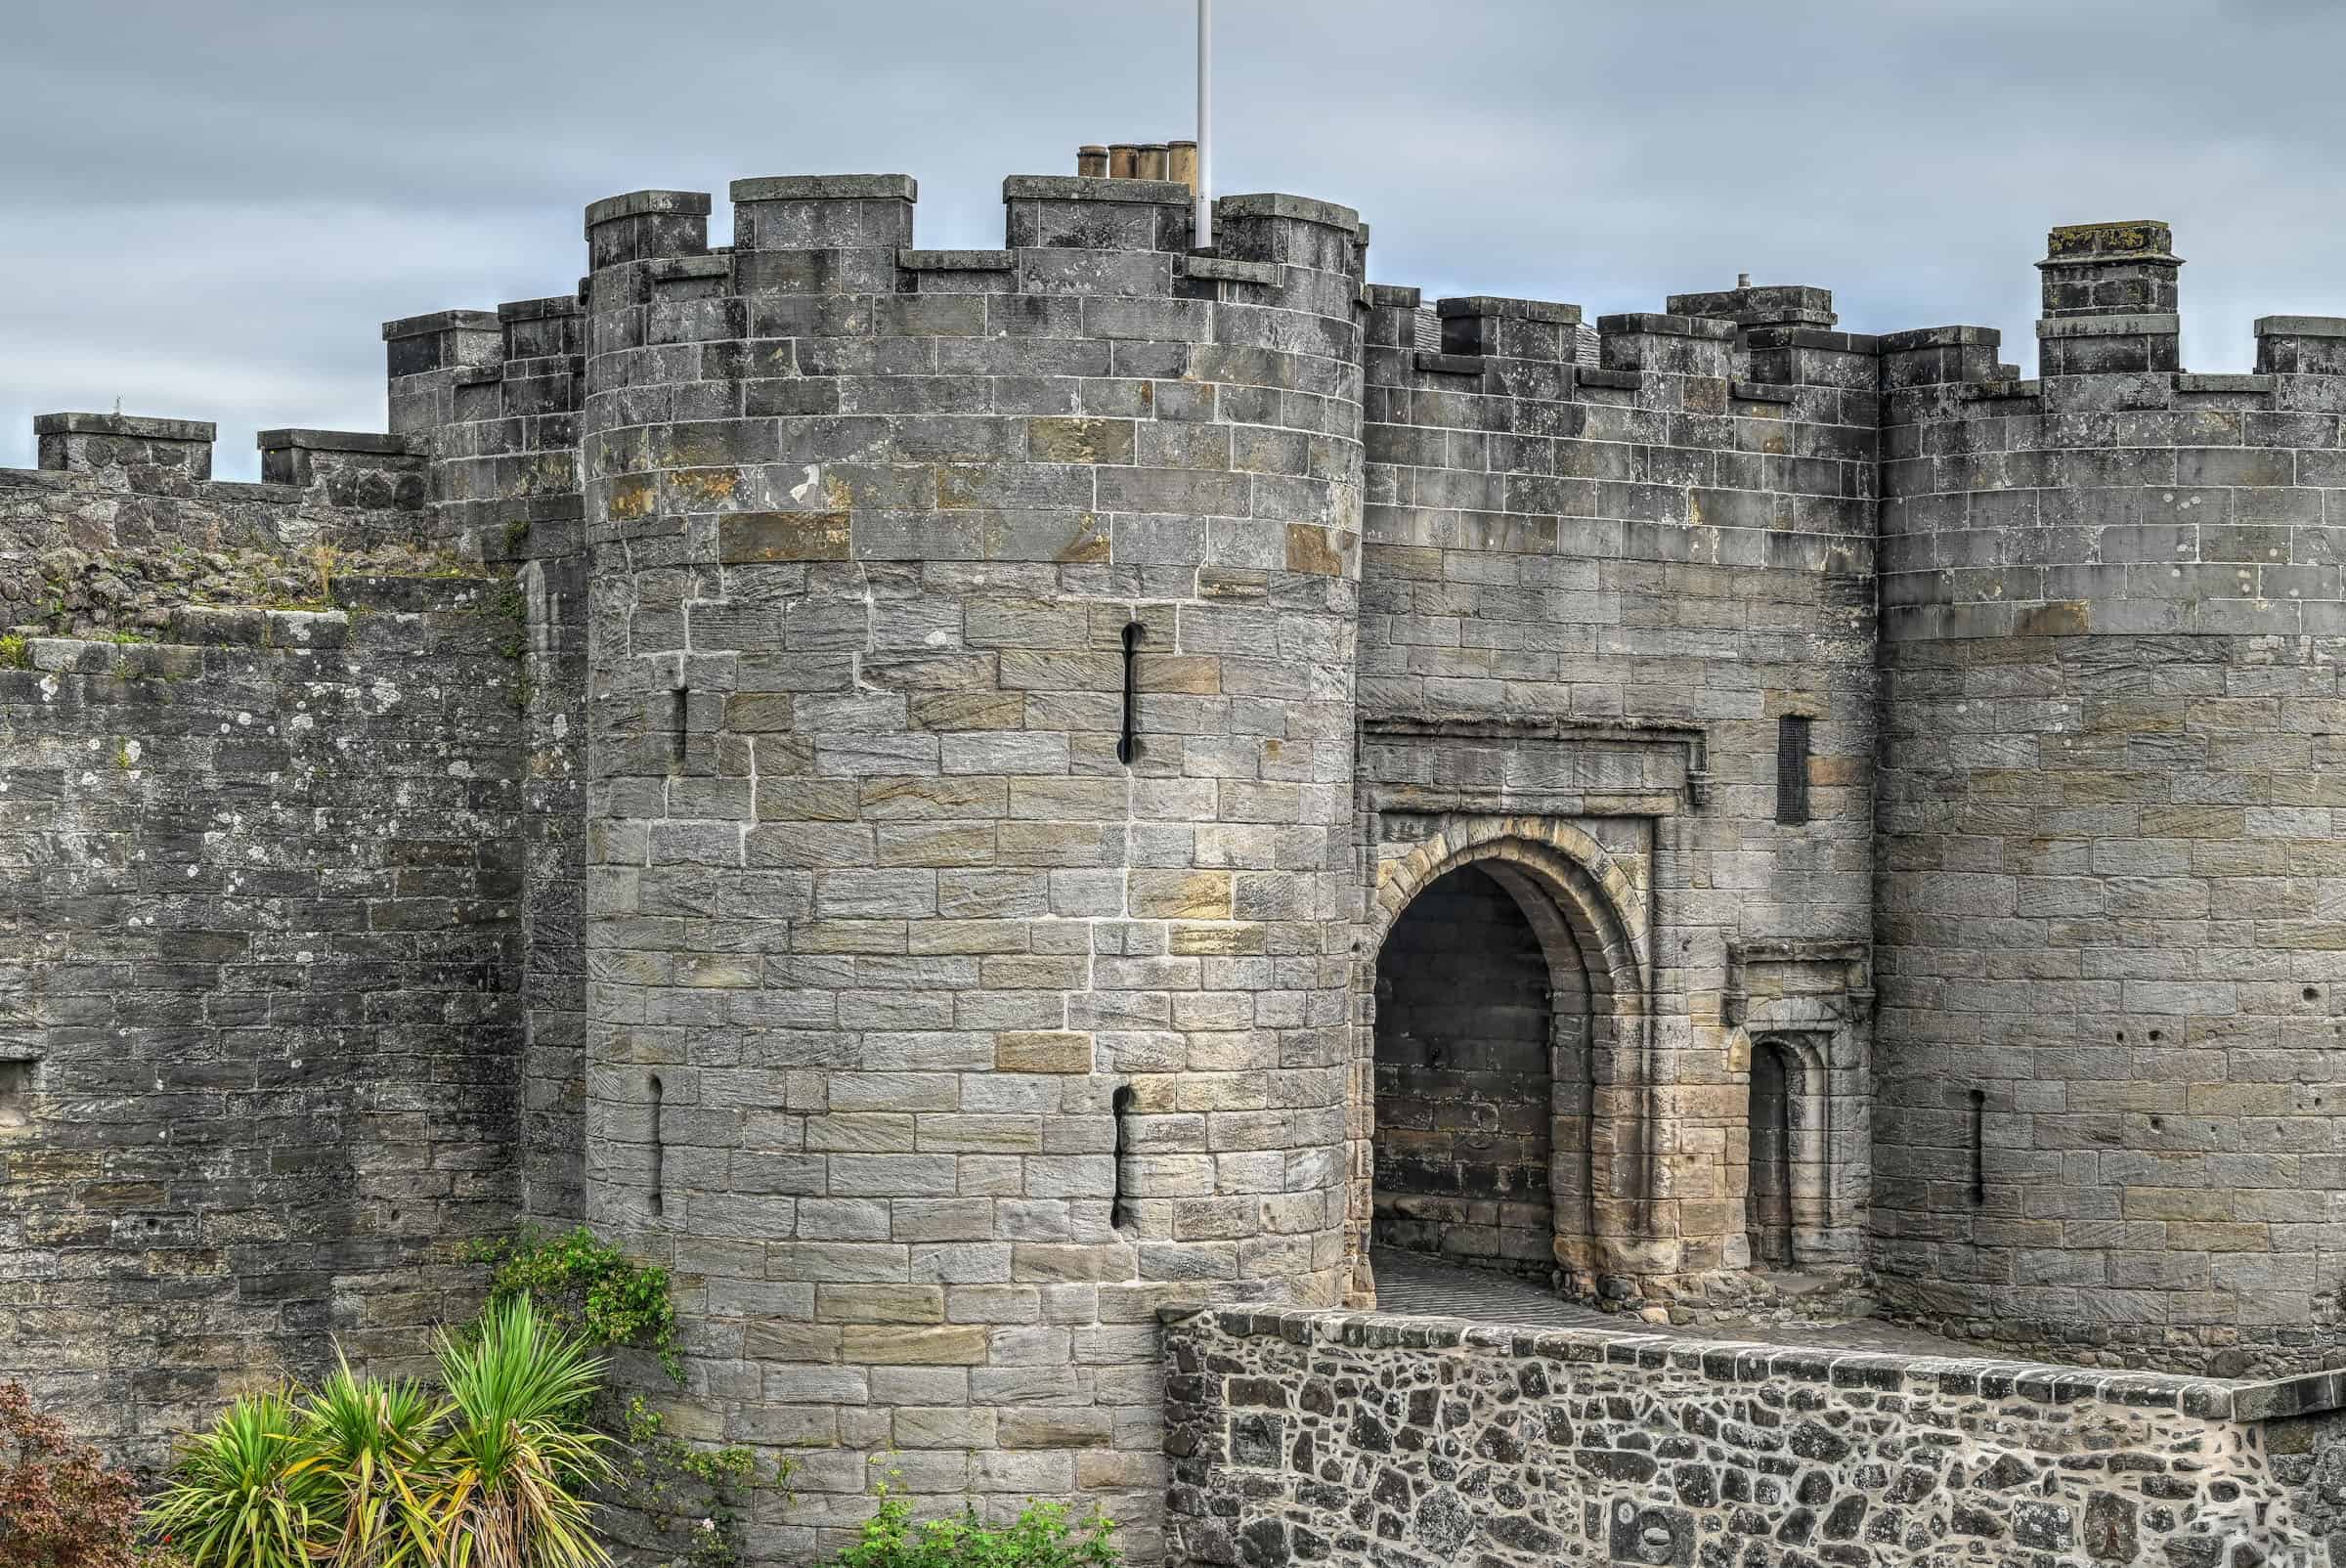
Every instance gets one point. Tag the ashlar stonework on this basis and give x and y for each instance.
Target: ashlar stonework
(961, 801)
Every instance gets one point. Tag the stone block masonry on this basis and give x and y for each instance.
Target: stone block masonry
(961, 798)
(259, 894)
(937, 1040)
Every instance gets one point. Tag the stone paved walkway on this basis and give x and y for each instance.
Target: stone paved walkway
(1422, 1287)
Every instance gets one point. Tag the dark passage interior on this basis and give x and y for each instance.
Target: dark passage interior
(1767, 1202)
(1465, 1097)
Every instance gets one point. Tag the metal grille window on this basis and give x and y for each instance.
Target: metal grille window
(1791, 768)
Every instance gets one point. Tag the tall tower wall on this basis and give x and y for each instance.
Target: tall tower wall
(935, 1042)
(1597, 590)
(2110, 869)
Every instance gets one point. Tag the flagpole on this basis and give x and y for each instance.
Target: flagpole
(1205, 111)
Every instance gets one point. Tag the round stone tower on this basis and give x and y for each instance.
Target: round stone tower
(972, 752)
(2111, 957)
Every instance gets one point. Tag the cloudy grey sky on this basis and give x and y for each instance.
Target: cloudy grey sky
(209, 209)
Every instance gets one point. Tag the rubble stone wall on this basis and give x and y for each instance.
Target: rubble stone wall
(259, 973)
(1302, 1438)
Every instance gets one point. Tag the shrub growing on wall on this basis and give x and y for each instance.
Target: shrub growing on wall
(1041, 1537)
(492, 1473)
(60, 1505)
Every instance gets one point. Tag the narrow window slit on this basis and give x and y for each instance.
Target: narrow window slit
(1791, 768)
(659, 1199)
(1128, 745)
(1978, 1148)
(682, 706)
(15, 1094)
(1120, 1212)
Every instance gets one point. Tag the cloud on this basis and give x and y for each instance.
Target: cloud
(213, 208)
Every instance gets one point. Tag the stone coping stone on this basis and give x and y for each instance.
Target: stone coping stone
(1762, 391)
(673, 268)
(1394, 296)
(1778, 304)
(1278, 204)
(957, 260)
(2187, 382)
(217, 626)
(1811, 338)
(123, 425)
(537, 310)
(2301, 326)
(251, 489)
(413, 595)
(1941, 337)
(1086, 187)
(2109, 325)
(1742, 1361)
(1606, 381)
(1993, 391)
(131, 661)
(367, 440)
(1656, 323)
(440, 321)
(2125, 239)
(826, 188)
(1434, 363)
(648, 204)
(1518, 310)
(1269, 273)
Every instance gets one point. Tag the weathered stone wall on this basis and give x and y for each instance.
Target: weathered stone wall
(1589, 594)
(935, 1039)
(2110, 954)
(490, 401)
(1304, 1437)
(1466, 1092)
(259, 1012)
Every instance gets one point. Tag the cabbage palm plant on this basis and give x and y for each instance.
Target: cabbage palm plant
(517, 1456)
(238, 1496)
(372, 1441)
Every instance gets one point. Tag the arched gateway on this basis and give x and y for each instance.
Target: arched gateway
(1501, 1109)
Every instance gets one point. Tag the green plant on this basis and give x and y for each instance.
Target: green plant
(517, 1458)
(60, 1505)
(373, 1442)
(1041, 1537)
(238, 1498)
(585, 1288)
(16, 653)
(513, 605)
(693, 1497)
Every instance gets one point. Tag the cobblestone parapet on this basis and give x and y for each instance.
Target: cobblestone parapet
(1301, 1436)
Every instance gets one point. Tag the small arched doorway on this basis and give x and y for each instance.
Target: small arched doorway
(1482, 1080)
(1767, 1196)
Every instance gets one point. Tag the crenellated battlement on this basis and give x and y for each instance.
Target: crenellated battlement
(2114, 491)
(963, 799)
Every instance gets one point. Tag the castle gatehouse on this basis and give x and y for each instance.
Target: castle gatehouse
(1034, 823)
